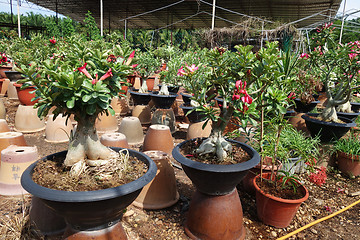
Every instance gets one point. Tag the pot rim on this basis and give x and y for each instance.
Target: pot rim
(290, 201)
(346, 125)
(255, 159)
(88, 196)
(313, 102)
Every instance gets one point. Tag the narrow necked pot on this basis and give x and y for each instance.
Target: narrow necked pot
(213, 179)
(327, 131)
(303, 107)
(276, 211)
(90, 211)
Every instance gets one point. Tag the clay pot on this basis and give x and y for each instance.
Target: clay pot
(4, 127)
(349, 164)
(11, 138)
(164, 117)
(120, 105)
(27, 120)
(11, 92)
(106, 123)
(276, 211)
(143, 113)
(114, 140)
(132, 129)
(4, 85)
(161, 192)
(2, 110)
(150, 83)
(158, 137)
(195, 130)
(58, 130)
(3, 69)
(25, 95)
(13, 75)
(14, 161)
(299, 123)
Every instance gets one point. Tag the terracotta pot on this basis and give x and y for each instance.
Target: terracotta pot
(164, 117)
(4, 85)
(2, 110)
(150, 83)
(114, 140)
(11, 91)
(143, 113)
(91, 214)
(196, 129)
(4, 127)
(14, 161)
(299, 123)
(58, 130)
(161, 192)
(106, 123)
(120, 105)
(349, 164)
(11, 138)
(3, 69)
(276, 211)
(25, 95)
(158, 137)
(132, 129)
(27, 120)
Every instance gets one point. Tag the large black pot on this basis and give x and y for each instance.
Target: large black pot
(163, 101)
(13, 76)
(172, 88)
(186, 98)
(327, 131)
(355, 107)
(140, 98)
(301, 107)
(90, 210)
(194, 116)
(213, 179)
(352, 116)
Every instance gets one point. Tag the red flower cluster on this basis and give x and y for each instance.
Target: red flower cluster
(53, 41)
(291, 96)
(94, 80)
(241, 93)
(3, 58)
(319, 177)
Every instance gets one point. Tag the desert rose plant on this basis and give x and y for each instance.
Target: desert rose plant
(81, 83)
(338, 65)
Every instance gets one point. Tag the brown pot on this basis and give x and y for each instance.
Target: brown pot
(3, 69)
(299, 123)
(25, 95)
(158, 137)
(276, 211)
(349, 164)
(150, 82)
(161, 192)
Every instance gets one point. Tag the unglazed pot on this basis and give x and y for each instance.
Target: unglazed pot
(132, 129)
(3, 69)
(4, 127)
(2, 110)
(158, 137)
(161, 192)
(196, 129)
(27, 120)
(11, 138)
(14, 161)
(58, 130)
(26, 95)
(164, 117)
(120, 105)
(143, 113)
(11, 91)
(114, 140)
(106, 123)
(4, 85)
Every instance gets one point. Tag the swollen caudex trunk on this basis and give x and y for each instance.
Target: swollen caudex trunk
(346, 107)
(329, 113)
(164, 90)
(85, 148)
(217, 144)
(143, 88)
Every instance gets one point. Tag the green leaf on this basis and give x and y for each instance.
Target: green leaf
(71, 103)
(90, 109)
(86, 98)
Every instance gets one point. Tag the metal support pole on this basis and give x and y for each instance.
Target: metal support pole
(18, 12)
(56, 9)
(262, 35)
(342, 22)
(101, 18)
(213, 15)
(125, 29)
(12, 14)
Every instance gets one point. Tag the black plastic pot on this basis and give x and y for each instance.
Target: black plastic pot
(163, 101)
(301, 107)
(327, 131)
(89, 210)
(172, 89)
(140, 98)
(186, 98)
(194, 116)
(215, 179)
(13, 76)
(355, 107)
(352, 116)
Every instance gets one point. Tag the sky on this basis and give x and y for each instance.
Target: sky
(351, 6)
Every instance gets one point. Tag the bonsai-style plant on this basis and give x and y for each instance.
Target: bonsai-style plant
(148, 65)
(81, 84)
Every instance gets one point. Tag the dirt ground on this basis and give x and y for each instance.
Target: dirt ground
(168, 223)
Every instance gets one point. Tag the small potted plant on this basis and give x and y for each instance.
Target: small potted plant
(82, 84)
(347, 152)
(337, 65)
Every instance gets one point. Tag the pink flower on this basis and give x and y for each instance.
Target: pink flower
(132, 55)
(53, 41)
(352, 55)
(193, 68)
(291, 96)
(181, 71)
(3, 58)
(246, 99)
(134, 65)
(106, 75)
(235, 97)
(304, 55)
(84, 71)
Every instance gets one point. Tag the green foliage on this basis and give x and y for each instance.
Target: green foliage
(91, 29)
(349, 145)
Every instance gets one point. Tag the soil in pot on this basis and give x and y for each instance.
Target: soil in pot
(238, 155)
(53, 174)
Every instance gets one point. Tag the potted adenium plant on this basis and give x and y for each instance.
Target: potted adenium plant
(338, 67)
(82, 84)
(212, 163)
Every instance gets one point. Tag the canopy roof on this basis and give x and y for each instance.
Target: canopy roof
(189, 14)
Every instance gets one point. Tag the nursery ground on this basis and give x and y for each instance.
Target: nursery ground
(168, 223)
